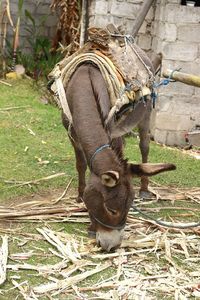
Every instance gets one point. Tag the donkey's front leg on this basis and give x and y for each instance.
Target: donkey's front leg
(144, 149)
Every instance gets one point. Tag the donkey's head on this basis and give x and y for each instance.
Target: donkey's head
(109, 197)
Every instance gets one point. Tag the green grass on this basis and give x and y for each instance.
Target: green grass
(188, 168)
(21, 151)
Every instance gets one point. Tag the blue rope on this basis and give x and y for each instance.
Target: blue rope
(99, 149)
(167, 80)
(163, 82)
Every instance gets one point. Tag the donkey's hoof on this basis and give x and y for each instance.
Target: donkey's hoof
(146, 195)
(79, 199)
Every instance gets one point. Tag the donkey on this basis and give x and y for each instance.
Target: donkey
(108, 194)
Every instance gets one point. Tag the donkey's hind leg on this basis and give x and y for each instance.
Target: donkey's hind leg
(81, 166)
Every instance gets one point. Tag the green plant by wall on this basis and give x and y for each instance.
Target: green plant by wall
(41, 58)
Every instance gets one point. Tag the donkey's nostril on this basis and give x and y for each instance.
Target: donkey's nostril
(111, 211)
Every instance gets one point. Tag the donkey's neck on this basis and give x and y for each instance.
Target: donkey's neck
(86, 88)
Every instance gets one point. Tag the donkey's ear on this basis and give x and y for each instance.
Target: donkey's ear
(147, 169)
(110, 178)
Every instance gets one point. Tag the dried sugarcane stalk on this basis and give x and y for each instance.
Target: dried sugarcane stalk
(36, 181)
(4, 214)
(68, 282)
(23, 290)
(64, 193)
(67, 250)
(3, 259)
(48, 269)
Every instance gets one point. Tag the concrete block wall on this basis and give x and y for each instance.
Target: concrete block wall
(122, 13)
(169, 28)
(173, 30)
(38, 9)
(176, 34)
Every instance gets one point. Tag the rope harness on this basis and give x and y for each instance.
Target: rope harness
(167, 224)
(114, 227)
(159, 222)
(98, 150)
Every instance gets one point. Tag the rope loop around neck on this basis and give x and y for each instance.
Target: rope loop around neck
(98, 150)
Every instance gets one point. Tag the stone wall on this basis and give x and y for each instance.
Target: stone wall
(122, 13)
(169, 28)
(176, 34)
(173, 30)
(37, 9)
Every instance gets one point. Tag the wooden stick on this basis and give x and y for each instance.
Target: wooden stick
(182, 77)
(12, 108)
(6, 83)
(3, 259)
(141, 16)
(36, 181)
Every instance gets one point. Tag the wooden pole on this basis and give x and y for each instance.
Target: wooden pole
(84, 25)
(141, 16)
(182, 77)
